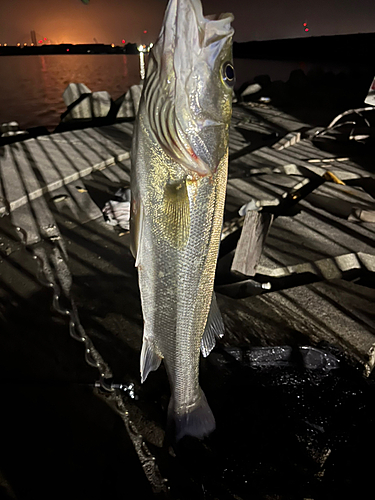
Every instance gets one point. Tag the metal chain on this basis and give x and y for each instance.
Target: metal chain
(94, 359)
(76, 330)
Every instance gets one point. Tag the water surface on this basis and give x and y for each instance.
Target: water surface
(31, 87)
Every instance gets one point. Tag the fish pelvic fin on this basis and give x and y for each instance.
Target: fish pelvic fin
(176, 213)
(150, 359)
(214, 328)
(198, 421)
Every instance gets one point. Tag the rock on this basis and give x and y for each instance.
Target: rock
(136, 92)
(14, 132)
(298, 79)
(126, 108)
(77, 98)
(9, 132)
(278, 92)
(101, 104)
(335, 312)
(73, 92)
(251, 89)
(263, 80)
(9, 127)
(84, 104)
(370, 99)
(79, 111)
(130, 102)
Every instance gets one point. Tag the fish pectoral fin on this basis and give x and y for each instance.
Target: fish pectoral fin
(214, 328)
(150, 359)
(176, 212)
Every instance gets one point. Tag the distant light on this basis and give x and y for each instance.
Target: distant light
(140, 48)
(305, 24)
(306, 29)
(145, 31)
(40, 41)
(67, 50)
(123, 41)
(151, 45)
(112, 45)
(24, 44)
(45, 39)
(5, 44)
(18, 44)
(32, 44)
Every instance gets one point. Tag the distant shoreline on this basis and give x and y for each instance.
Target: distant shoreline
(68, 49)
(357, 47)
(346, 48)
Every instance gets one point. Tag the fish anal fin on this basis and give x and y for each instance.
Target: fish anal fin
(176, 213)
(150, 359)
(214, 328)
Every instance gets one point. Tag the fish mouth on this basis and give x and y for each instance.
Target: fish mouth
(182, 15)
(212, 27)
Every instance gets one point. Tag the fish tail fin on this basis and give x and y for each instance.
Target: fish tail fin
(198, 422)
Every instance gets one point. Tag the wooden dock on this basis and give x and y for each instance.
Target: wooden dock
(318, 240)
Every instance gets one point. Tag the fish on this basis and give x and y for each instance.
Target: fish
(178, 183)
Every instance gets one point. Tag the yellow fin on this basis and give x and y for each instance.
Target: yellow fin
(176, 214)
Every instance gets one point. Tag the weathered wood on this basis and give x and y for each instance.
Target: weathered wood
(251, 242)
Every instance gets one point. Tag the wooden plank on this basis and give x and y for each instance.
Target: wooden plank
(250, 245)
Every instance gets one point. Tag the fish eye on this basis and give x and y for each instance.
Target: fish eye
(228, 74)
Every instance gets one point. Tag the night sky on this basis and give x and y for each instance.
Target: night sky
(110, 21)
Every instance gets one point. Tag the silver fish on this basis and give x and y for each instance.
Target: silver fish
(178, 183)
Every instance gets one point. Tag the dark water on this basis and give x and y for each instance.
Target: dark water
(31, 87)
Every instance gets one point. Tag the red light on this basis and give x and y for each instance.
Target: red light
(305, 24)
(67, 50)
(122, 41)
(145, 31)
(45, 39)
(306, 29)
(40, 41)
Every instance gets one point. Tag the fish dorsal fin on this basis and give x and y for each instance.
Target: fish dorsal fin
(176, 212)
(214, 328)
(136, 229)
(150, 359)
